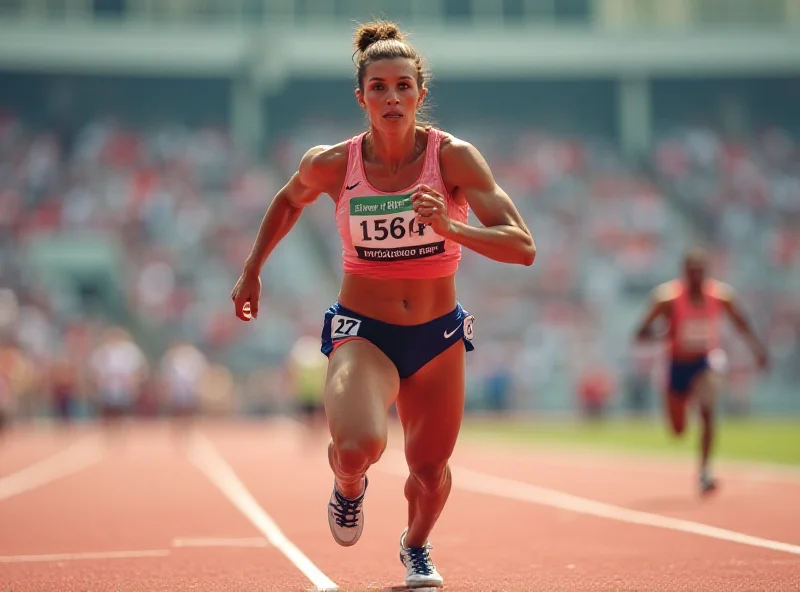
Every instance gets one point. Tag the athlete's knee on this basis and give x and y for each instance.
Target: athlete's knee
(431, 477)
(707, 413)
(676, 410)
(678, 425)
(356, 454)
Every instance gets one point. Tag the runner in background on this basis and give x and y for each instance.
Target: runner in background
(307, 368)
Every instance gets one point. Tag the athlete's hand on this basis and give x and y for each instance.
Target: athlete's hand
(762, 359)
(430, 207)
(246, 294)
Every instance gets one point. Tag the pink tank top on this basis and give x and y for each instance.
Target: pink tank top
(380, 235)
(694, 329)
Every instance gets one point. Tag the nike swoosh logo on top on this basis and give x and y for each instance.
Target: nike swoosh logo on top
(353, 186)
(450, 334)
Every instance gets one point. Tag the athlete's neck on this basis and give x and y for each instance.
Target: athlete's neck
(392, 149)
(695, 293)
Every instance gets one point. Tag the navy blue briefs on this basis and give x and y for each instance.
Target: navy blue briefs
(409, 347)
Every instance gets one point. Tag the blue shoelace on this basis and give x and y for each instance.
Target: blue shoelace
(346, 510)
(420, 560)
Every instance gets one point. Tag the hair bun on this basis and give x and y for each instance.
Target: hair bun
(370, 33)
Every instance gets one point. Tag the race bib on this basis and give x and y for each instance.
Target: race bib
(695, 334)
(384, 228)
(342, 326)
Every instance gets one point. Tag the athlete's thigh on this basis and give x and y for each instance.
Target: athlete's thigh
(431, 406)
(705, 388)
(677, 405)
(360, 387)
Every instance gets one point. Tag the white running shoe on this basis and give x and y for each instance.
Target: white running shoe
(421, 572)
(708, 484)
(345, 516)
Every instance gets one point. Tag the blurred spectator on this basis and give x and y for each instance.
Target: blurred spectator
(307, 368)
(18, 374)
(6, 403)
(596, 386)
(639, 378)
(181, 370)
(118, 370)
(64, 387)
(218, 391)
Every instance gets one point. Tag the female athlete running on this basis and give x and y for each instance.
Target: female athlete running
(397, 331)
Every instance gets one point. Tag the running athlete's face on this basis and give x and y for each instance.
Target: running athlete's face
(391, 94)
(695, 273)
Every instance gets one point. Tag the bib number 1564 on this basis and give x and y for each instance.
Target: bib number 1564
(381, 228)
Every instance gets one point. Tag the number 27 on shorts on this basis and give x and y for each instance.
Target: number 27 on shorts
(342, 326)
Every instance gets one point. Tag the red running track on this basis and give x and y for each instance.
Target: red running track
(143, 511)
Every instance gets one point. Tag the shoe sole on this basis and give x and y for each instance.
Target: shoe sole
(710, 490)
(342, 543)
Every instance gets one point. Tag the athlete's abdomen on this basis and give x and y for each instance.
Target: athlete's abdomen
(692, 340)
(399, 301)
(694, 330)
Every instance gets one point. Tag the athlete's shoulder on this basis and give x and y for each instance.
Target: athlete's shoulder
(667, 292)
(459, 157)
(720, 290)
(456, 149)
(449, 140)
(323, 157)
(323, 163)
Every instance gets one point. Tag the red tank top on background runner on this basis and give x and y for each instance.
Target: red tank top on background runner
(694, 327)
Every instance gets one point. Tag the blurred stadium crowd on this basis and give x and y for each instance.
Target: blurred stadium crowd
(167, 212)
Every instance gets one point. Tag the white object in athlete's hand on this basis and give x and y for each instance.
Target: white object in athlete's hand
(246, 311)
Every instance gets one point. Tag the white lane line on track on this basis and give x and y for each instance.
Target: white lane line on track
(77, 457)
(252, 542)
(206, 457)
(56, 557)
(394, 462)
(198, 542)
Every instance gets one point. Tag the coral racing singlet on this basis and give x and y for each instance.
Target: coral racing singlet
(694, 328)
(381, 237)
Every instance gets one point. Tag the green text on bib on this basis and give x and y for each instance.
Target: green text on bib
(384, 228)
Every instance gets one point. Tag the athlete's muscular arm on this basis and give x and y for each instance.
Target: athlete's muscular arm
(302, 189)
(730, 302)
(660, 306)
(504, 236)
(317, 173)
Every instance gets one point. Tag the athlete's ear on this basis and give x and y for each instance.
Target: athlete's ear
(360, 98)
(423, 92)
